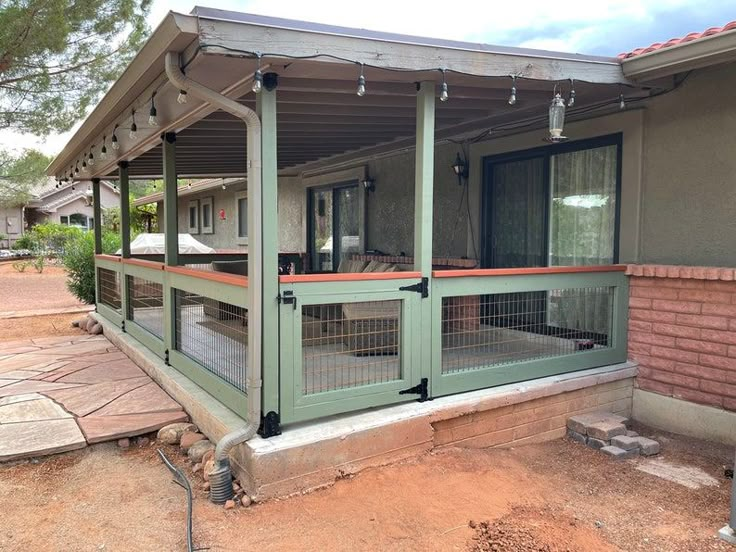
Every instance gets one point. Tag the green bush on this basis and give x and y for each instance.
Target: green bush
(48, 238)
(79, 261)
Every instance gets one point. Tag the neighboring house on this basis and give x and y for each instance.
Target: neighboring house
(452, 246)
(68, 204)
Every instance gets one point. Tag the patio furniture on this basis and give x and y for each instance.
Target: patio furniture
(371, 328)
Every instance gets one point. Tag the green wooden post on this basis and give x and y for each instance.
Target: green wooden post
(97, 215)
(423, 190)
(266, 108)
(171, 211)
(124, 209)
(171, 235)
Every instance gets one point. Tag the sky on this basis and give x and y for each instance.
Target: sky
(601, 27)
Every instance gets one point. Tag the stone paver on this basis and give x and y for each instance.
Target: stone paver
(61, 393)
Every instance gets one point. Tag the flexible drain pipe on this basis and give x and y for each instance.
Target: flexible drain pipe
(221, 485)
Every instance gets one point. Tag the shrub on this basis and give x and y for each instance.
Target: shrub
(79, 261)
(21, 266)
(48, 238)
(39, 263)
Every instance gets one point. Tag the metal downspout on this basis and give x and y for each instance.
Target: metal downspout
(221, 488)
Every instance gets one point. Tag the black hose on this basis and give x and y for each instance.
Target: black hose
(181, 480)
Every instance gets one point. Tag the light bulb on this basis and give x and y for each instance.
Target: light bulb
(182, 97)
(114, 142)
(444, 96)
(133, 131)
(361, 86)
(571, 101)
(91, 159)
(84, 166)
(152, 119)
(621, 102)
(103, 150)
(257, 81)
(512, 96)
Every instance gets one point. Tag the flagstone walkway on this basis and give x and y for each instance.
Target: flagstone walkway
(62, 393)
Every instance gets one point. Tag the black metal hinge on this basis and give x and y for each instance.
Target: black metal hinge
(421, 287)
(122, 325)
(270, 425)
(287, 298)
(422, 390)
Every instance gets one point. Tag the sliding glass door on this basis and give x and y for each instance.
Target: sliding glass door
(334, 226)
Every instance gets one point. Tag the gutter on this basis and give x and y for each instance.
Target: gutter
(702, 52)
(221, 487)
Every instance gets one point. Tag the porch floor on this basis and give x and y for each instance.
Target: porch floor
(62, 393)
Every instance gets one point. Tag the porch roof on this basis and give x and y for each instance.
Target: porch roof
(321, 120)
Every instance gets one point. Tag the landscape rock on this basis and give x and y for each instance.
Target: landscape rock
(245, 501)
(90, 322)
(143, 441)
(630, 433)
(196, 468)
(197, 451)
(207, 468)
(619, 453)
(76, 323)
(96, 329)
(625, 442)
(206, 486)
(124, 442)
(647, 447)
(209, 455)
(230, 504)
(189, 438)
(171, 434)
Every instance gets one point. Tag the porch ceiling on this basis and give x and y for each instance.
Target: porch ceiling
(321, 120)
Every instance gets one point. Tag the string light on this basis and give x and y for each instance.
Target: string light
(621, 102)
(133, 127)
(103, 149)
(444, 95)
(84, 166)
(182, 97)
(152, 114)
(512, 96)
(114, 140)
(91, 158)
(76, 168)
(258, 77)
(361, 83)
(571, 101)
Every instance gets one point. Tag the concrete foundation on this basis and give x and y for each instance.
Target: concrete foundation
(684, 417)
(311, 455)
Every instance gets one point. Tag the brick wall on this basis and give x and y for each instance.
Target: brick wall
(682, 331)
(540, 419)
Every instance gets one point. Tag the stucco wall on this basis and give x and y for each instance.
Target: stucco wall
(11, 224)
(689, 192)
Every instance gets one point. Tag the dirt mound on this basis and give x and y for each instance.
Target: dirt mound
(534, 530)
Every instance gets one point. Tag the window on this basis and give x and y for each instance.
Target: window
(242, 217)
(554, 206)
(206, 215)
(65, 219)
(193, 216)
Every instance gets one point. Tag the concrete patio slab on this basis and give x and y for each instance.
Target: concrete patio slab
(61, 393)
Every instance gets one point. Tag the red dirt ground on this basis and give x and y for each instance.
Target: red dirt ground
(557, 496)
(29, 290)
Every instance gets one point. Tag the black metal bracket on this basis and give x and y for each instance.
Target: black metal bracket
(270, 425)
(422, 390)
(422, 287)
(287, 298)
(166, 357)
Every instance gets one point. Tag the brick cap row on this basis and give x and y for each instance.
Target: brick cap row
(682, 272)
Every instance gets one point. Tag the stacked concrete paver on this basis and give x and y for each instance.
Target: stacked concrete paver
(608, 433)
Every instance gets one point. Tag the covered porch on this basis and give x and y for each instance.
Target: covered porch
(363, 259)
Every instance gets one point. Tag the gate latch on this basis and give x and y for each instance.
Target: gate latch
(422, 390)
(287, 298)
(421, 287)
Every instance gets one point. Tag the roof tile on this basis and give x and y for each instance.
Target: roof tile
(675, 41)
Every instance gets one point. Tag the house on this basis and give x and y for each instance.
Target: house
(514, 234)
(70, 204)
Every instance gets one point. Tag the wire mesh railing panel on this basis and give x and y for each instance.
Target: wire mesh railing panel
(214, 334)
(108, 282)
(485, 330)
(146, 304)
(348, 345)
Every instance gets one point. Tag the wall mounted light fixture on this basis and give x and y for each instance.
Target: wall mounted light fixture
(460, 168)
(369, 185)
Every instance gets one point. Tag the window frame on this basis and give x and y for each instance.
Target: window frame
(207, 202)
(546, 153)
(193, 204)
(240, 240)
